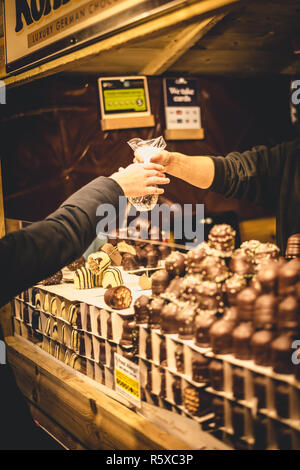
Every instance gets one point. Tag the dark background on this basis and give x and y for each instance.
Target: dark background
(51, 142)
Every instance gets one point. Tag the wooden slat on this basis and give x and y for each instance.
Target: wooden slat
(179, 45)
(187, 13)
(92, 418)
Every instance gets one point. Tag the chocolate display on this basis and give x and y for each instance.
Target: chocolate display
(118, 297)
(261, 347)
(175, 264)
(112, 277)
(141, 309)
(53, 280)
(78, 263)
(160, 281)
(241, 336)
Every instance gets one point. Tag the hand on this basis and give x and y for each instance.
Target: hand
(140, 180)
(163, 158)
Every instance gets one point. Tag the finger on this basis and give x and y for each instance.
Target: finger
(150, 173)
(153, 166)
(156, 180)
(155, 190)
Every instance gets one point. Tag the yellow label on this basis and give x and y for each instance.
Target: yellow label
(128, 384)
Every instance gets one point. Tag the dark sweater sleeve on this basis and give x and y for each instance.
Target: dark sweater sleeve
(254, 175)
(41, 249)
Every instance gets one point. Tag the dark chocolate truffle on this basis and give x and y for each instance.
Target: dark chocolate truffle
(222, 238)
(141, 309)
(214, 269)
(265, 311)
(245, 303)
(202, 327)
(118, 297)
(129, 262)
(175, 264)
(160, 282)
(174, 289)
(281, 354)
(168, 317)
(242, 341)
(221, 337)
(261, 347)
(193, 260)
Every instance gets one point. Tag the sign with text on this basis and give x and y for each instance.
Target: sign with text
(181, 103)
(127, 379)
(36, 29)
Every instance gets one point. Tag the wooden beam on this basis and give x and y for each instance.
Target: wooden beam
(171, 19)
(92, 418)
(179, 45)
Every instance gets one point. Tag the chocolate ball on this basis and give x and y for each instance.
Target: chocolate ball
(174, 289)
(175, 264)
(160, 282)
(288, 314)
(241, 263)
(242, 341)
(222, 238)
(265, 311)
(245, 304)
(185, 321)
(193, 260)
(232, 287)
(129, 262)
(168, 323)
(214, 269)
(141, 309)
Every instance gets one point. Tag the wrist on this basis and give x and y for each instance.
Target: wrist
(173, 163)
(117, 177)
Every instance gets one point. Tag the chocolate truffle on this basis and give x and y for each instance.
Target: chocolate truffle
(250, 246)
(241, 263)
(209, 297)
(141, 309)
(221, 337)
(152, 259)
(282, 400)
(265, 252)
(176, 390)
(164, 251)
(202, 327)
(118, 297)
(168, 324)
(193, 260)
(288, 314)
(160, 282)
(78, 263)
(261, 347)
(238, 383)
(268, 277)
(174, 289)
(222, 238)
(175, 264)
(155, 307)
(185, 318)
(200, 363)
(129, 262)
(141, 254)
(242, 341)
(281, 354)
(53, 280)
(214, 269)
(231, 314)
(256, 285)
(216, 375)
(232, 286)
(245, 304)
(265, 311)
(287, 278)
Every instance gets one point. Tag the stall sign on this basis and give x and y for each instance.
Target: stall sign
(39, 29)
(181, 103)
(127, 379)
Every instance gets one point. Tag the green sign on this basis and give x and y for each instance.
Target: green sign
(124, 96)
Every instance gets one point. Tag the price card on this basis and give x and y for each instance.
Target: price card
(127, 379)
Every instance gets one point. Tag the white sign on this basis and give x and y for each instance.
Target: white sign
(127, 379)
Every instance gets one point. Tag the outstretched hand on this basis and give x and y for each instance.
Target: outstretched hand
(141, 180)
(162, 158)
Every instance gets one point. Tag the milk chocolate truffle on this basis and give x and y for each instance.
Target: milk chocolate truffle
(268, 277)
(175, 264)
(288, 314)
(216, 375)
(281, 354)
(241, 263)
(202, 327)
(118, 297)
(141, 309)
(155, 307)
(78, 263)
(222, 238)
(232, 286)
(265, 311)
(245, 304)
(53, 280)
(168, 324)
(265, 252)
(242, 341)
(193, 260)
(287, 278)
(174, 289)
(129, 262)
(152, 259)
(261, 347)
(200, 372)
(238, 383)
(164, 251)
(179, 358)
(282, 400)
(185, 319)
(293, 246)
(176, 389)
(160, 282)
(221, 337)
(214, 269)
(250, 246)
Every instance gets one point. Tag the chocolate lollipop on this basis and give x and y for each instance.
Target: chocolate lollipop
(118, 297)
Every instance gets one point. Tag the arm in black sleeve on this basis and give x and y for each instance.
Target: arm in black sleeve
(38, 251)
(254, 175)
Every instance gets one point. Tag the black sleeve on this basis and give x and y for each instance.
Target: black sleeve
(41, 249)
(254, 175)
